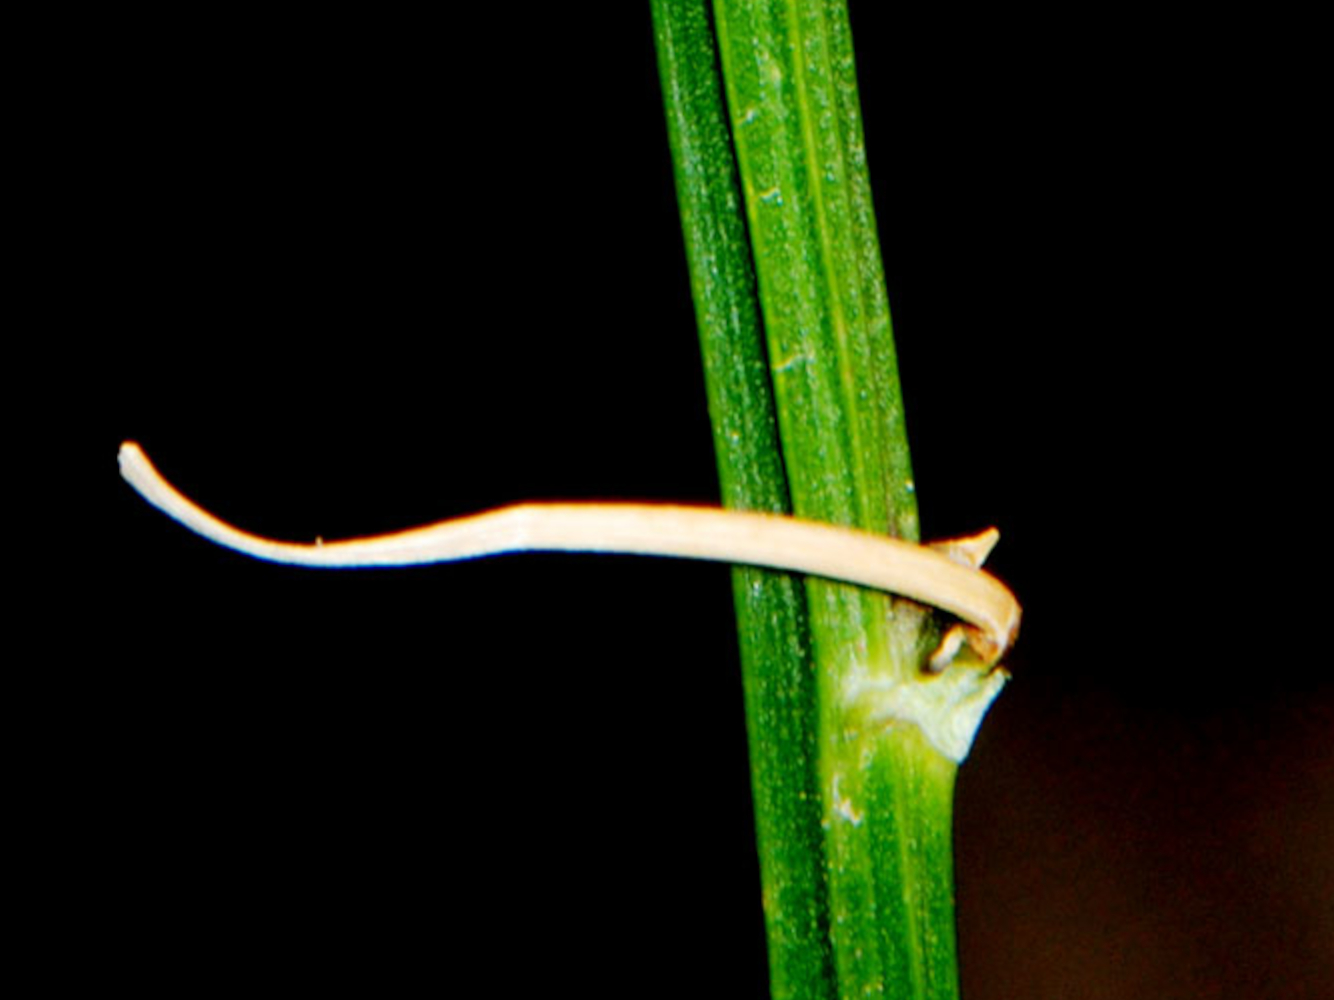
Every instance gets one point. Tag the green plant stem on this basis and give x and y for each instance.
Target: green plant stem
(872, 775)
(792, 95)
(780, 690)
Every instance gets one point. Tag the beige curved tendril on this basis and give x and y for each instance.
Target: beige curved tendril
(944, 575)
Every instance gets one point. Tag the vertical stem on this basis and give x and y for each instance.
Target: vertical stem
(780, 689)
(792, 98)
(853, 797)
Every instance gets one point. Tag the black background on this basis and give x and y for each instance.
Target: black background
(352, 273)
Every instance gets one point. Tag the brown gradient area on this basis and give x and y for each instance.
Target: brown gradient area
(1113, 852)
